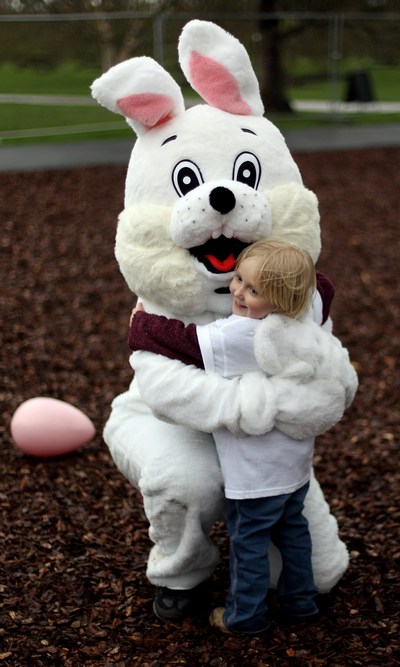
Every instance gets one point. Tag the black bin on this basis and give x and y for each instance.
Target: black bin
(359, 87)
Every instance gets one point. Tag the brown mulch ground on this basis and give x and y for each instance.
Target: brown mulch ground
(73, 538)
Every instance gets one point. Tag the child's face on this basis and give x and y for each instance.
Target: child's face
(246, 299)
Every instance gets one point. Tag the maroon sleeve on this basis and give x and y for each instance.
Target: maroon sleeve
(169, 337)
(327, 291)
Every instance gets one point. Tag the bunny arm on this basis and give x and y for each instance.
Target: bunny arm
(171, 390)
(250, 405)
(313, 379)
(312, 383)
(303, 350)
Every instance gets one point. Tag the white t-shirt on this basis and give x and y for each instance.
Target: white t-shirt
(252, 466)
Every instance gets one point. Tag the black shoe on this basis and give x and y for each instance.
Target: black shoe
(173, 605)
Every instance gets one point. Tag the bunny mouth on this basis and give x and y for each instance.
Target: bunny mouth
(219, 255)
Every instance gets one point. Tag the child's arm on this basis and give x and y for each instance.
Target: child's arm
(169, 337)
(139, 308)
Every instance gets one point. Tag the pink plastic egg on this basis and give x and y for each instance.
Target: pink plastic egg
(48, 427)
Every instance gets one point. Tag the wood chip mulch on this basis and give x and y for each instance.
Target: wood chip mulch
(73, 537)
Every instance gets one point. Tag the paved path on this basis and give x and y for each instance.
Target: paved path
(52, 100)
(117, 151)
(299, 105)
(39, 157)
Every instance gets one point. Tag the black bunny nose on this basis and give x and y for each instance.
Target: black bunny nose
(222, 199)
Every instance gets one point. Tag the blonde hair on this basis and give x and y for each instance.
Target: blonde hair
(286, 275)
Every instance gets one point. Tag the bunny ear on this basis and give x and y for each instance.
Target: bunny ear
(142, 91)
(218, 67)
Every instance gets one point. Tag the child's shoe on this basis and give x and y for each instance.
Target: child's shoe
(217, 621)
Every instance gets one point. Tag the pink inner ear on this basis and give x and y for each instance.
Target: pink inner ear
(216, 85)
(150, 109)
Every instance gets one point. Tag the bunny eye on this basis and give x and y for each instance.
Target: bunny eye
(247, 169)
(186, 176)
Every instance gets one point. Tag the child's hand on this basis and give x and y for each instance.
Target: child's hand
(139, 308)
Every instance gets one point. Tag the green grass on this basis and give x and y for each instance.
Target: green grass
(68, 79)
(385, 85)
(19, 117)
(32, 123)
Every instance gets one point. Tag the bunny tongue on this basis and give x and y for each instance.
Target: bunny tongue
(218, 255)
(222, 265)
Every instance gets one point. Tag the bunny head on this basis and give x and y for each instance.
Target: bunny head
(204, 182)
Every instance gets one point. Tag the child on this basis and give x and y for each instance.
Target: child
(266, 477)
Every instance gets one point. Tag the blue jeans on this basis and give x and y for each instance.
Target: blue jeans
(252, 523)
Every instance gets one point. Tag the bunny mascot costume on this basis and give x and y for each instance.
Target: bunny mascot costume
(202, 184)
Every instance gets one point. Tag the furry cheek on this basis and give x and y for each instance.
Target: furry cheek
(153, 265)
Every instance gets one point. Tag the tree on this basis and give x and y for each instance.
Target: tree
(276, 32)
(273, 86)
(117, 39)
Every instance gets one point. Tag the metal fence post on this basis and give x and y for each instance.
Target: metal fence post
(158, 38)
(335, 55)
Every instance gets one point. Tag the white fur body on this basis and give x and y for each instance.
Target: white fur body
(220, 146)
